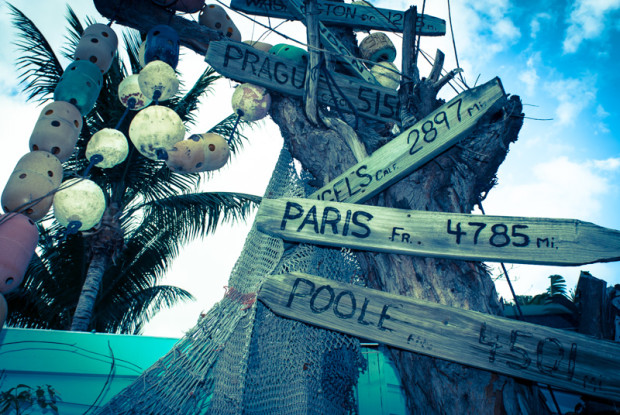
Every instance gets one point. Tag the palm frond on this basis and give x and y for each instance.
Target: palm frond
(132, 46)
(130, 316)
(225, 129)
(187, 105)
(74, 34)
(38, 67)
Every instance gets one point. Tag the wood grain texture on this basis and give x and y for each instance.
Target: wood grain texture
(345, 14)
(243, 63)
(429, 137)
(528, 351)
(541, 241)
(332, 43)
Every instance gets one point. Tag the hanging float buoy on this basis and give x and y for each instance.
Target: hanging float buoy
(130, 88)
(200, 152)
(265, 47)
(387, 74)
(155, 130)
(162, 44)
(97, 45)
(80, 85)
(57, 130)
(251, 102)
(215, 17)
(158, 81)
(29, 187)
(110, 144)
(18, 239)
(377, 47)
(290, 52)
(79, 204)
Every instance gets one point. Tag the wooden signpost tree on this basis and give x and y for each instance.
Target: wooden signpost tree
(445, 160)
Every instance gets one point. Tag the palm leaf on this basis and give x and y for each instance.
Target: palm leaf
(187, 105)
(37, 66)
(74, 34)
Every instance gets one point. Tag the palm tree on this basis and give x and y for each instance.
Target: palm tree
(111, 272)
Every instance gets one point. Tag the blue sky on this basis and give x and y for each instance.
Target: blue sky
(561, 57)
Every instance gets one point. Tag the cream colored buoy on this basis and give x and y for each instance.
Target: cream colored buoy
(110, 144)
(251, 102)
(216, 151)
(158, 81)
(130, 88)
(57, 129)
(265, 47)
(215, 17)
(97, 45)
(80, 202)
(377, 47)
(187, 156)
(155, 130)
(30, 187)
(387, 74)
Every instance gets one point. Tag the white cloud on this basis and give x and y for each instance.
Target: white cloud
(530, 75)
(611, 164)
(588, 20)
(573, 95)
(535, 24)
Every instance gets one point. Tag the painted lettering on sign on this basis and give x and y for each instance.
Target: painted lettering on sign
(354, 223)
(244, 63)
(346, 14)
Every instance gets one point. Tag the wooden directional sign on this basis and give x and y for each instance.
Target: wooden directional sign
(244, 63)
(541, 354)
(429, 137)
(439, 234)
(333, 43)
(346, 14)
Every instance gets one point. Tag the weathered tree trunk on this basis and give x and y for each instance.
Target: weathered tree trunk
(454, 181)
(104, 244)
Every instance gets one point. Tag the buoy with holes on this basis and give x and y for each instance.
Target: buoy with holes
(377, 47)
(155, 130)
(290, 52)
(215, 17)
(18, 239)
(162, 44)
(110, 144)
(97, 45)
(30, 187)
(79, 204)
(199, 153)
(57, 130)
(79, 85)
(251, 102)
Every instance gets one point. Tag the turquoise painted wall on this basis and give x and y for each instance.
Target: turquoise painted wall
(88, 369)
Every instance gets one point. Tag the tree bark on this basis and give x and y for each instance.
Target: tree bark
(453, 182)
(88, 296)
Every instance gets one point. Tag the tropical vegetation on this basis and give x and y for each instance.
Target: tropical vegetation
(151, 212)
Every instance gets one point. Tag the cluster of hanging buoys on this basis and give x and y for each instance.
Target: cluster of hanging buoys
(34, 185)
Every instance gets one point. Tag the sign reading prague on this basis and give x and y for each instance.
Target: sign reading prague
(439, 234)
(529, 351)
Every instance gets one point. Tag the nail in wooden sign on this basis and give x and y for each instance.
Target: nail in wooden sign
(537, 353)
(542, 241)
(244, 63)
(428, 138)
(346, 14)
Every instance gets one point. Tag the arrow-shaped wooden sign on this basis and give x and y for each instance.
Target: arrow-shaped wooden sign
(537, 353)
(541, 241)
(429, 137)
(346, 14)
(241, 62)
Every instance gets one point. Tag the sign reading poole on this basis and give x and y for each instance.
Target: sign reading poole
(439, 234)
(541, 354)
